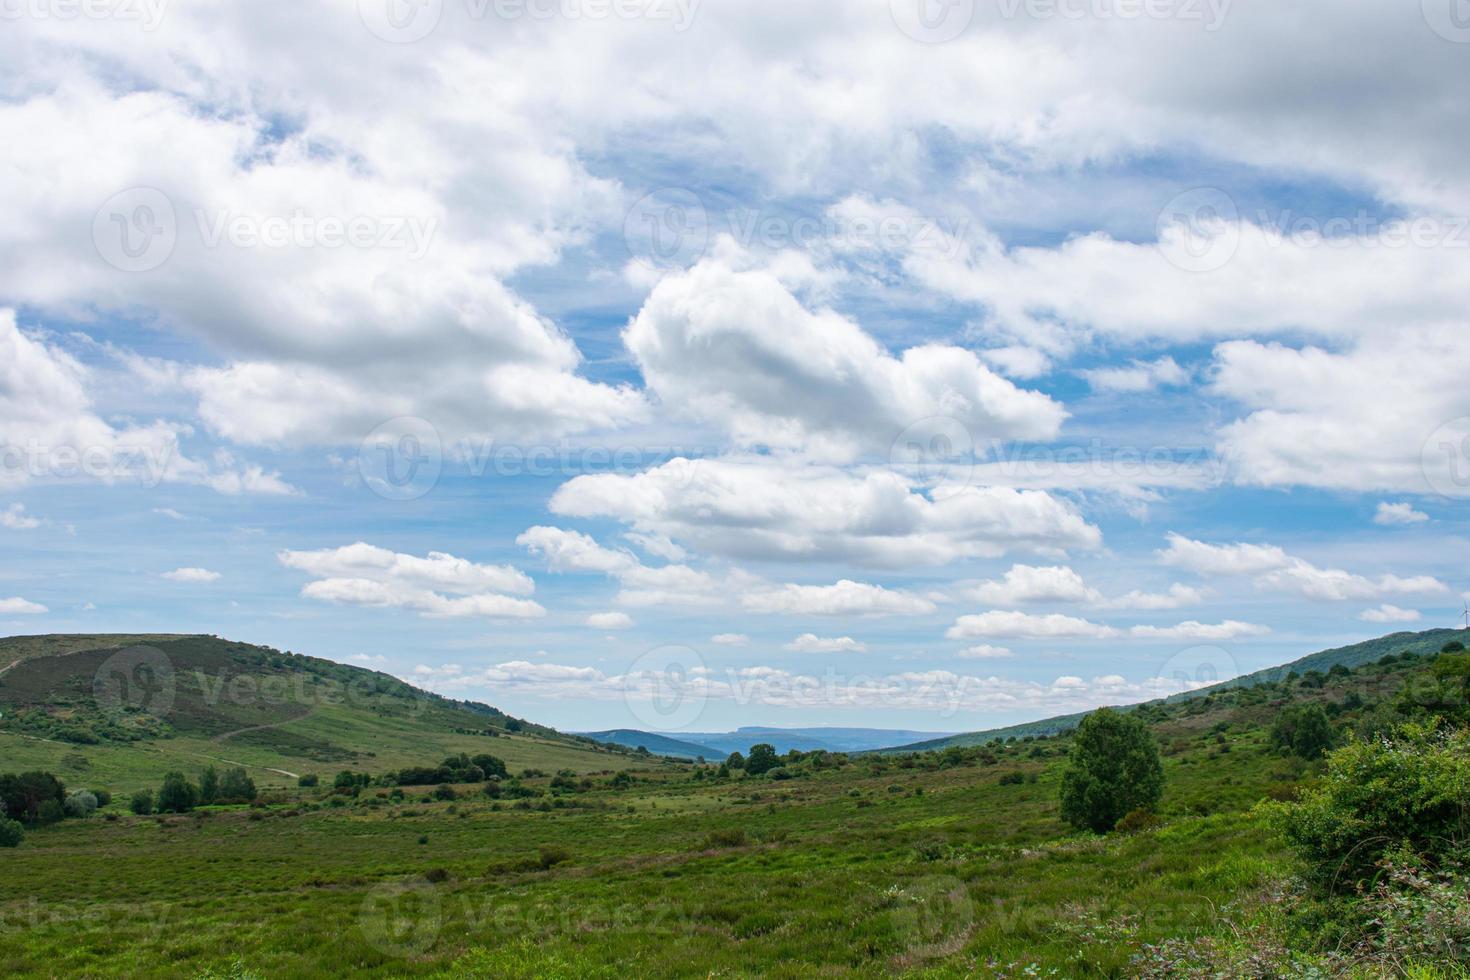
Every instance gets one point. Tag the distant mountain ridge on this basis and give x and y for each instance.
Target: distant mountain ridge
(1352, 655)
(715, 746)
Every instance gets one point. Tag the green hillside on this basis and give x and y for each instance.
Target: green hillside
(120, 710)
(936, 864)
(1351, 656)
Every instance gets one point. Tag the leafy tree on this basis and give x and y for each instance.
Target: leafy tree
(307, 781)
(1113, 770)
(237, 786)
(177, 794)
(142, 802)
(491, 765)
(735, 761)
(24, 795)
(49, 812)
(11, 832)
(762, 759)
(1303, 730)
(209, 785)
(80, 804)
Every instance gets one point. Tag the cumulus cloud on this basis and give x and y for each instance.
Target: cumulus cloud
(1387, 613)
(1027, 583)
(737, 348)
(610, 621)
(192, 575)
(1272, 568)
(1020, 625)
(1230, 629)
(985, 651)
(16, 606)
(439, 585)
(757, 508)
(845, 598)
(811, 643)
(1401, 513)
(1140, 376)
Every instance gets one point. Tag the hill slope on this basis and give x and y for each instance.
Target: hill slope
(1352, 656)
(121, 710)
(657, 744)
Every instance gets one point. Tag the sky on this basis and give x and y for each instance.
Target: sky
(679, 365)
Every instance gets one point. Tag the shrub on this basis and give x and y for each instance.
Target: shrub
(209, 789)
(1136, 821)
(104, 798)
(80, 804)
(1381, 796)
(1303, 730)
(142, 802)
(177, 794)
(436, 875)
(549, 857)
(1114, 768)
(237, 786)
(727, 837)
(444, 792)
(490, 765)
(1012, 779)
(11, 832)
(24, 795)
(50, 812)
(308, 781)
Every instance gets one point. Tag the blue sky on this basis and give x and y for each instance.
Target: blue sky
(947, 383)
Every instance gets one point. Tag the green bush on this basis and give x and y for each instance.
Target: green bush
(1114, 768)
(762, 759)
(728, 837)
(1381, 796)
(549, 857)
(177, 794)
(1303, 730)
(236, 786)
(80, 804)
(11, 832)
(1136, 821)
(142, 802)
(308, 781)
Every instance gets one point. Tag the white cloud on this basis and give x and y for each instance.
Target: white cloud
(1178, 595)
(1027, 583)
(764, 509)
(573, 551)
(811, 643)
(610, 621)
(192, 575)
(845, 598)
(170, 513)
(50, 429)
(15, 518)
(985, 651)
(440, 585)
(16, 606)
(730, 639)
(1401, 513)
(735, 347)
(1138, 377)
(1387, 613)
(1019, 625)
(1230, 629)
(1273, 568)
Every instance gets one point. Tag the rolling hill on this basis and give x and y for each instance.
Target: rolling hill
(719, 745)
(1351, 656)
(121, 710)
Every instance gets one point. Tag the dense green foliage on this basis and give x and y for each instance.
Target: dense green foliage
(1304, 730)
(1113, 770)
(12, 832)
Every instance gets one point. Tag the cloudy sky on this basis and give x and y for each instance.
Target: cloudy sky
(933, 363)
